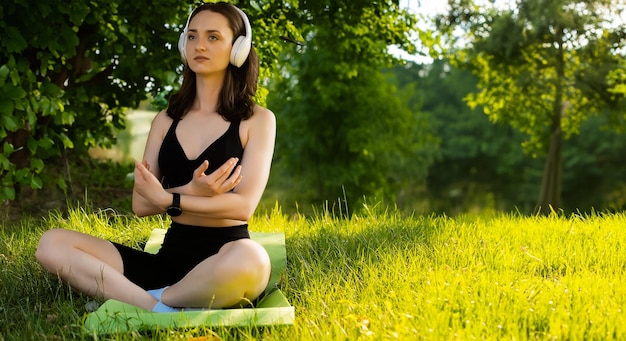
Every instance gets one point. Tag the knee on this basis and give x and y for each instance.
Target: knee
(48, 247)
(251, 260)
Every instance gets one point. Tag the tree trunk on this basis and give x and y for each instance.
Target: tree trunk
(550, 194)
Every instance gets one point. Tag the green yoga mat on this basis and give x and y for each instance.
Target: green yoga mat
(274, 309)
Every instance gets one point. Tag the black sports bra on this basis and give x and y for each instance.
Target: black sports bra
(177, 169)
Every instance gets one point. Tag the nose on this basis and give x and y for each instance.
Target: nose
(201, 46)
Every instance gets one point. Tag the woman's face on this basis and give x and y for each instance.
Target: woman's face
(209, 41)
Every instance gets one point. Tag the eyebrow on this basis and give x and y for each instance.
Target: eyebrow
(209, 31)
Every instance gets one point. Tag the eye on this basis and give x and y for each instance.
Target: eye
(191, 37)
(213, 37)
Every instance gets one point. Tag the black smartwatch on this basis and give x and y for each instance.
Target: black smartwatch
(174, 210)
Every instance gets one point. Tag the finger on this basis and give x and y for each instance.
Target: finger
(138, 174)
(201, 169)
(146, 164)
(233, 180)
(141, 168)
(222, 173)
(138, 165)
(236, 174)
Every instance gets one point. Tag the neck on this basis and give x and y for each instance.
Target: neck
(207, 91)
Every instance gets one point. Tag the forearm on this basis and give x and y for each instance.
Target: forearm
(231, 205)
(150, 198)
(143, 207)
(224, 206)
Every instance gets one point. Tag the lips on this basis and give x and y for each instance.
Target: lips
(200, 58)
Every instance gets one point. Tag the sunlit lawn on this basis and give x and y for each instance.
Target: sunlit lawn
(379, 275)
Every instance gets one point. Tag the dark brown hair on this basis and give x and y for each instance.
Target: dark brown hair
(235, 99)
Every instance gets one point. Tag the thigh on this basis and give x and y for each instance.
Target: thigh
(59, 245)
(151, 271)
(239, 272)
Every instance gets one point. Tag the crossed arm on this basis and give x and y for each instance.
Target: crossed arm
(210, 196)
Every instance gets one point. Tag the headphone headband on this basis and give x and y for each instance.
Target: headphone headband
(241, 47)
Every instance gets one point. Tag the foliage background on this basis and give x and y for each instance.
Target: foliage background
(445, 275)
(354, 122)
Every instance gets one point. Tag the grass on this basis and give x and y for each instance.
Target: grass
(378, 275)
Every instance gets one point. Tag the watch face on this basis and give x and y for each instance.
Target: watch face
(174, 211)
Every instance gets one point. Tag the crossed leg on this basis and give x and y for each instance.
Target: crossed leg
(90, 265)
(238, 273)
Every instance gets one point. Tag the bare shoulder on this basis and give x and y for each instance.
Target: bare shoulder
(161, 118)
(263, 115)
(261, 119)
(161, 122)
(261, 125)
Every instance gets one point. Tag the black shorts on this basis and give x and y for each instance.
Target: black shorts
(184, 247)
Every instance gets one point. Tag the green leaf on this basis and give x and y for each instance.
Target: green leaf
(60, 106)
(31, 116)
(67, 118)
(67, 142)
(21, 104)
(62, 185)
(36, 182)
(46, 143)
(36, 164)
(5, 163)
(44, 104)
(9, 123)
(618, 89)
(7, 193)
(6, 106)
(4, 73)
(50, 89)
(13, 40)
(32, 145)
(13, 92)
(7, 148)
(22, 174)
(34, 103)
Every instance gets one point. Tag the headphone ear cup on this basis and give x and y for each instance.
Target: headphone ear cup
(240, 51)
(182, 44)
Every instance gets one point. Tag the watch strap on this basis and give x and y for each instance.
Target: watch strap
(176, 200)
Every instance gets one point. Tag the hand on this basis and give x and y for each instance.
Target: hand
(149, 187)
(220, 181)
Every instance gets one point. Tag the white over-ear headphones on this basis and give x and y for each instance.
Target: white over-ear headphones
(241, 46)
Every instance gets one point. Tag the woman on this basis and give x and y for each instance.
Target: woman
(206, 164)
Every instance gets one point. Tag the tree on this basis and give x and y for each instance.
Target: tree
(477, 164)
(70, 69)
(543, 67)
(343, 126)
(617, 84)
(594, 168)
(481, 165)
